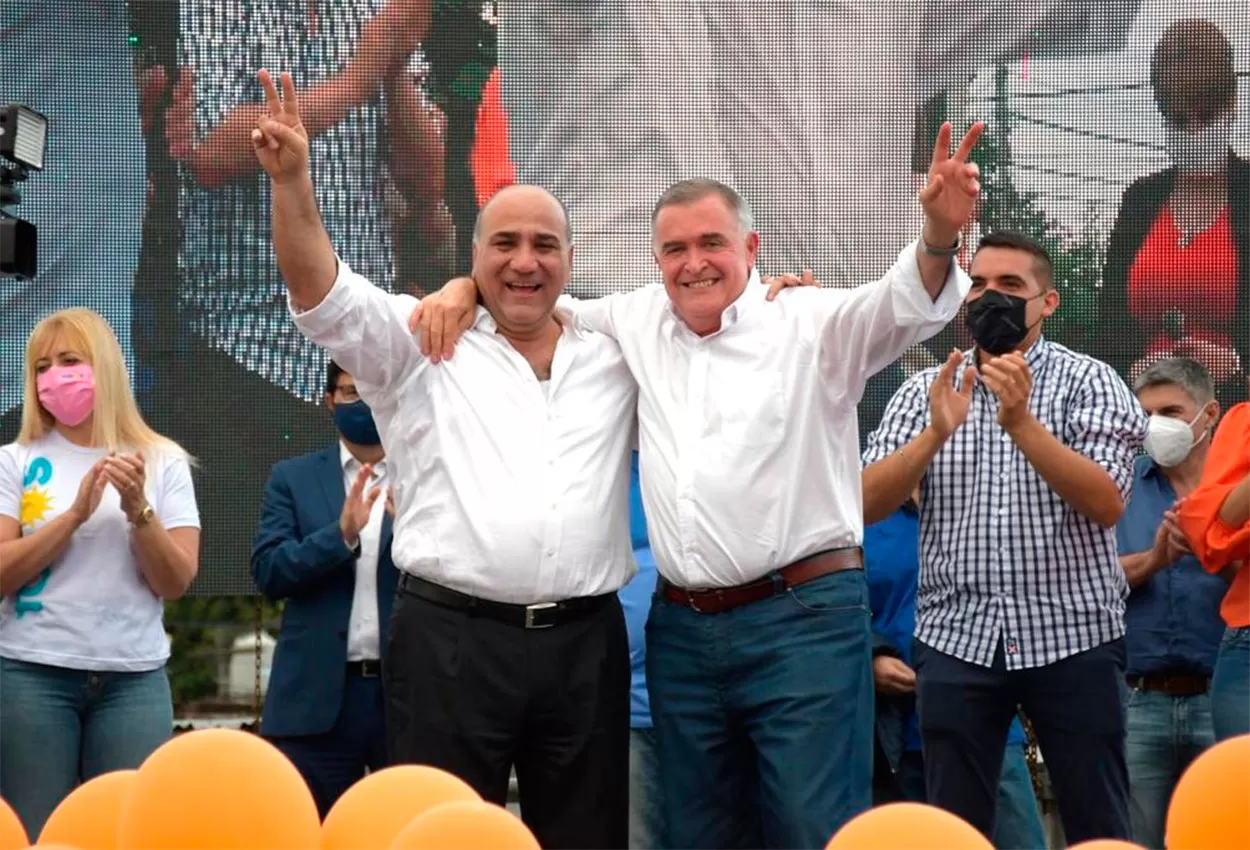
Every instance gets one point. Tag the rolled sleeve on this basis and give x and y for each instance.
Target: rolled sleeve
(1107, 425)
(867, 328)
(365, 330)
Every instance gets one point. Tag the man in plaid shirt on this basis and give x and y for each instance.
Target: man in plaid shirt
(1025, 461)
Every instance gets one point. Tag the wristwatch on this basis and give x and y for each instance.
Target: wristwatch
(144, 517)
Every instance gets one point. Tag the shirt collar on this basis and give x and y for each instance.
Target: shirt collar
(351, 466)
(749, 299)
(569, 326)
(1035, 355)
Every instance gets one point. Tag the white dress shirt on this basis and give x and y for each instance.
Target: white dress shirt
(362, 626)
(523, 495)
(748, 440)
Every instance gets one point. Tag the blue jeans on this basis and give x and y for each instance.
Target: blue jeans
(647, 827)
(1230, 685)
(62, 727)
(1165, 733)
(1018, 821)
(764, 715)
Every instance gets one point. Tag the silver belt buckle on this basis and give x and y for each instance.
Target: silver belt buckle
(529, 615)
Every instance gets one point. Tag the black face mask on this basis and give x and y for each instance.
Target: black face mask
(997, 321)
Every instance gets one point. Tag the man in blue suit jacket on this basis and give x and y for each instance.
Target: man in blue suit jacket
(324, 546)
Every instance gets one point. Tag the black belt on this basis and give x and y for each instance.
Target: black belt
(368, 668)
(542, 615)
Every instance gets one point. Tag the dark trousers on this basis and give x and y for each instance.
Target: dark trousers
(334, 761)
(477, 697)
(1077, 709)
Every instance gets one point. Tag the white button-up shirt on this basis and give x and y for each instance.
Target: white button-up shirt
(502, 491)
(748, 438)
(362, 625)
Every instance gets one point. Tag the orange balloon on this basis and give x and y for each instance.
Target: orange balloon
(1106, 844)
(466, 826)
(1210, 808)
(898, 825)
(88, 817)
(374, 810)
(12, 833)
(218, 789)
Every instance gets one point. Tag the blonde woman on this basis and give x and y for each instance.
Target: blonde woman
(98, 525)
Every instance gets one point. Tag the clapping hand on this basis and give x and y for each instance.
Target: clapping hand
(948, 407)
(1009, 378)
(357, 506)
(128, 475)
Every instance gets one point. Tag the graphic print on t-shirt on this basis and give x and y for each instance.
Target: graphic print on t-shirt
(36, 503)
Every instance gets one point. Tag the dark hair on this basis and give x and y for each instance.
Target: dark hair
(689, 191)
(333, 370)
(1192, 66)
(1019, 242)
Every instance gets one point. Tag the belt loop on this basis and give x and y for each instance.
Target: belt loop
(779, 582)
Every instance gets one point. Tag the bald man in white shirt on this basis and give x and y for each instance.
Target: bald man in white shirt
(758, 646)
(510, 474)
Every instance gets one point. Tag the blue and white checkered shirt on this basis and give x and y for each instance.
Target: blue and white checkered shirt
(232, 293)
(1002, 557)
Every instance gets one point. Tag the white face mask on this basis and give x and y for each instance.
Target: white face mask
(1169, 441)
(1202, 150)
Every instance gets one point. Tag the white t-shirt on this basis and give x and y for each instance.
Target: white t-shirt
(91, 608)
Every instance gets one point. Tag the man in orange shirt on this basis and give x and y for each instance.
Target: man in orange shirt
(1216, 520)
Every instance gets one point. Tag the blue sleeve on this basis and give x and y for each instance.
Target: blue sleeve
(286, 562)
(637, 517)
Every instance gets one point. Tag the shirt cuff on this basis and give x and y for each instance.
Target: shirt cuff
(915, 307)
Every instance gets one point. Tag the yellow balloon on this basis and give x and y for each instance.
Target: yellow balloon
(1210, 808)
(899, 825)
(219, 789)
(466, 826)
(374, 810)
(12, 833)
(88, 817)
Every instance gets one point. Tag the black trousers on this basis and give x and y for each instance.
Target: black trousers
(475, 697)
(1077, 707)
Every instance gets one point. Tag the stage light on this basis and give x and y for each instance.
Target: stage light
(23, 136)
(23, 142)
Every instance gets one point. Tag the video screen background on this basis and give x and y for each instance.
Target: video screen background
(822, 114)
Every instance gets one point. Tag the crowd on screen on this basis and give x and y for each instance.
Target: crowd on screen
(630, 550)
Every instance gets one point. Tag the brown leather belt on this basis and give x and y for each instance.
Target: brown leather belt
(720, 599)
(1174, 685)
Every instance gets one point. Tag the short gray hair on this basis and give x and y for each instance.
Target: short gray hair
(1183, 372)
(689, 191)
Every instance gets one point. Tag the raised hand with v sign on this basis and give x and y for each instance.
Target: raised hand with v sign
(950, 193)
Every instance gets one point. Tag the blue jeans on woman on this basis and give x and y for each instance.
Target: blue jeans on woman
(1230, 685)
(62, 727)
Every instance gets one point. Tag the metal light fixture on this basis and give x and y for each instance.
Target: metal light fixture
(23, 142)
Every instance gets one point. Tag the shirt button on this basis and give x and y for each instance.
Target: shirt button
(551, 553)
(1002, 512)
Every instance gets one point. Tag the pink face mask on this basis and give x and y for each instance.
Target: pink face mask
(68, 392)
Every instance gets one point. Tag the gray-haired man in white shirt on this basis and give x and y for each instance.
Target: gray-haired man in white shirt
(758, 646)
(507, 644)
